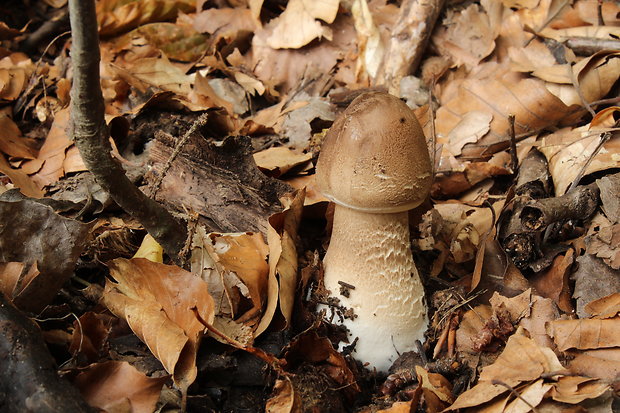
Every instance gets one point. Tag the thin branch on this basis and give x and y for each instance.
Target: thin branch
(91, 135)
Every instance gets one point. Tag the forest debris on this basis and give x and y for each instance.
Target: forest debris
(284, 398)
(579, 203)
(610, 196)
(533, 182)
(278, 160)
(235, 269)
(296, 26)
(605, 244)
(158, 303)
(228, 189)
(89, 340)
(118, 386)
(116, 16)
(593, 280)
(554, 282)
(45, 238)
(585, 334)
(606, 307)
(29, 379)
(408, 40)
(281, 237)
(12, 142)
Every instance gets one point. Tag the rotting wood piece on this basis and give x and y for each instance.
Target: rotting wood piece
(579, 203)
(219, 181)
(521, 244)
(28, 378)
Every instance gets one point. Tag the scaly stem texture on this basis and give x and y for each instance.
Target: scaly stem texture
(91, 133)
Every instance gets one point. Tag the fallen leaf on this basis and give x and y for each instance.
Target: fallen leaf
(606, 307)
(585, 333)
(530, 396)
(284, 398)
(296, 26)
(158, 303)
(604, 244)
(116, 386)
(115, 16)
(573, 390)
(593, 280)
(12, 142)
(278, 160)
(601, 363)
(554, 282)
(46, 238)
(281, 236)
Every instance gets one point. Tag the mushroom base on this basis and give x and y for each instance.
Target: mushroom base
(371, 252)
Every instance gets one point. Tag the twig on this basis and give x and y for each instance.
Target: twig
(514, 160)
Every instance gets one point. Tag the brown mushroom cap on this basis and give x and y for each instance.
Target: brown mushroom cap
(374, 157)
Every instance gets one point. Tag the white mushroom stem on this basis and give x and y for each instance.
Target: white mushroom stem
(371, 252)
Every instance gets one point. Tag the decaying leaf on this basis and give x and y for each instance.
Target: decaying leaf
(585, 333)
(296, 26)
(116, 386)
(158, 302)
(281, 236)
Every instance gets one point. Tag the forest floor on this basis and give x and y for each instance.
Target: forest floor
(218, 110)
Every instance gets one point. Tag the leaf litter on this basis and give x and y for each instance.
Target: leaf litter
(498, 79)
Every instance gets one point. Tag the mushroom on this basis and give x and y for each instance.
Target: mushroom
(374, 165)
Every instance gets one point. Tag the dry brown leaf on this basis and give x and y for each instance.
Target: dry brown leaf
(298, 25)
(20, 179)
(554, 282)
(521, 361)
(225, 22)
(278, 160)
(473, 321)
(15, 71)
(473, 126)
(528, 99)
(115, 16)
(573, 390)
(178, 41)
(10, 273)
(543, 310)
(48, 166)
(568, 151)
(605, 244)
(235, 269)
(530, 396)
(281, 236)
(313, 195)
(116, 386)
(284, 398)
(161, 73)
(12, 142)
(518, 306)
(467, 36)
(594, 76)
(602, 363)
(288, 68)
(606, 307)
(90, 335)
(593, 280)
(585, 334)
(160, 302)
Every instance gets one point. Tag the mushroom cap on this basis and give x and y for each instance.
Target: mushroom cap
(374, 157)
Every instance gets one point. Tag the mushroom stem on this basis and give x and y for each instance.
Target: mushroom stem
(371, 251)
